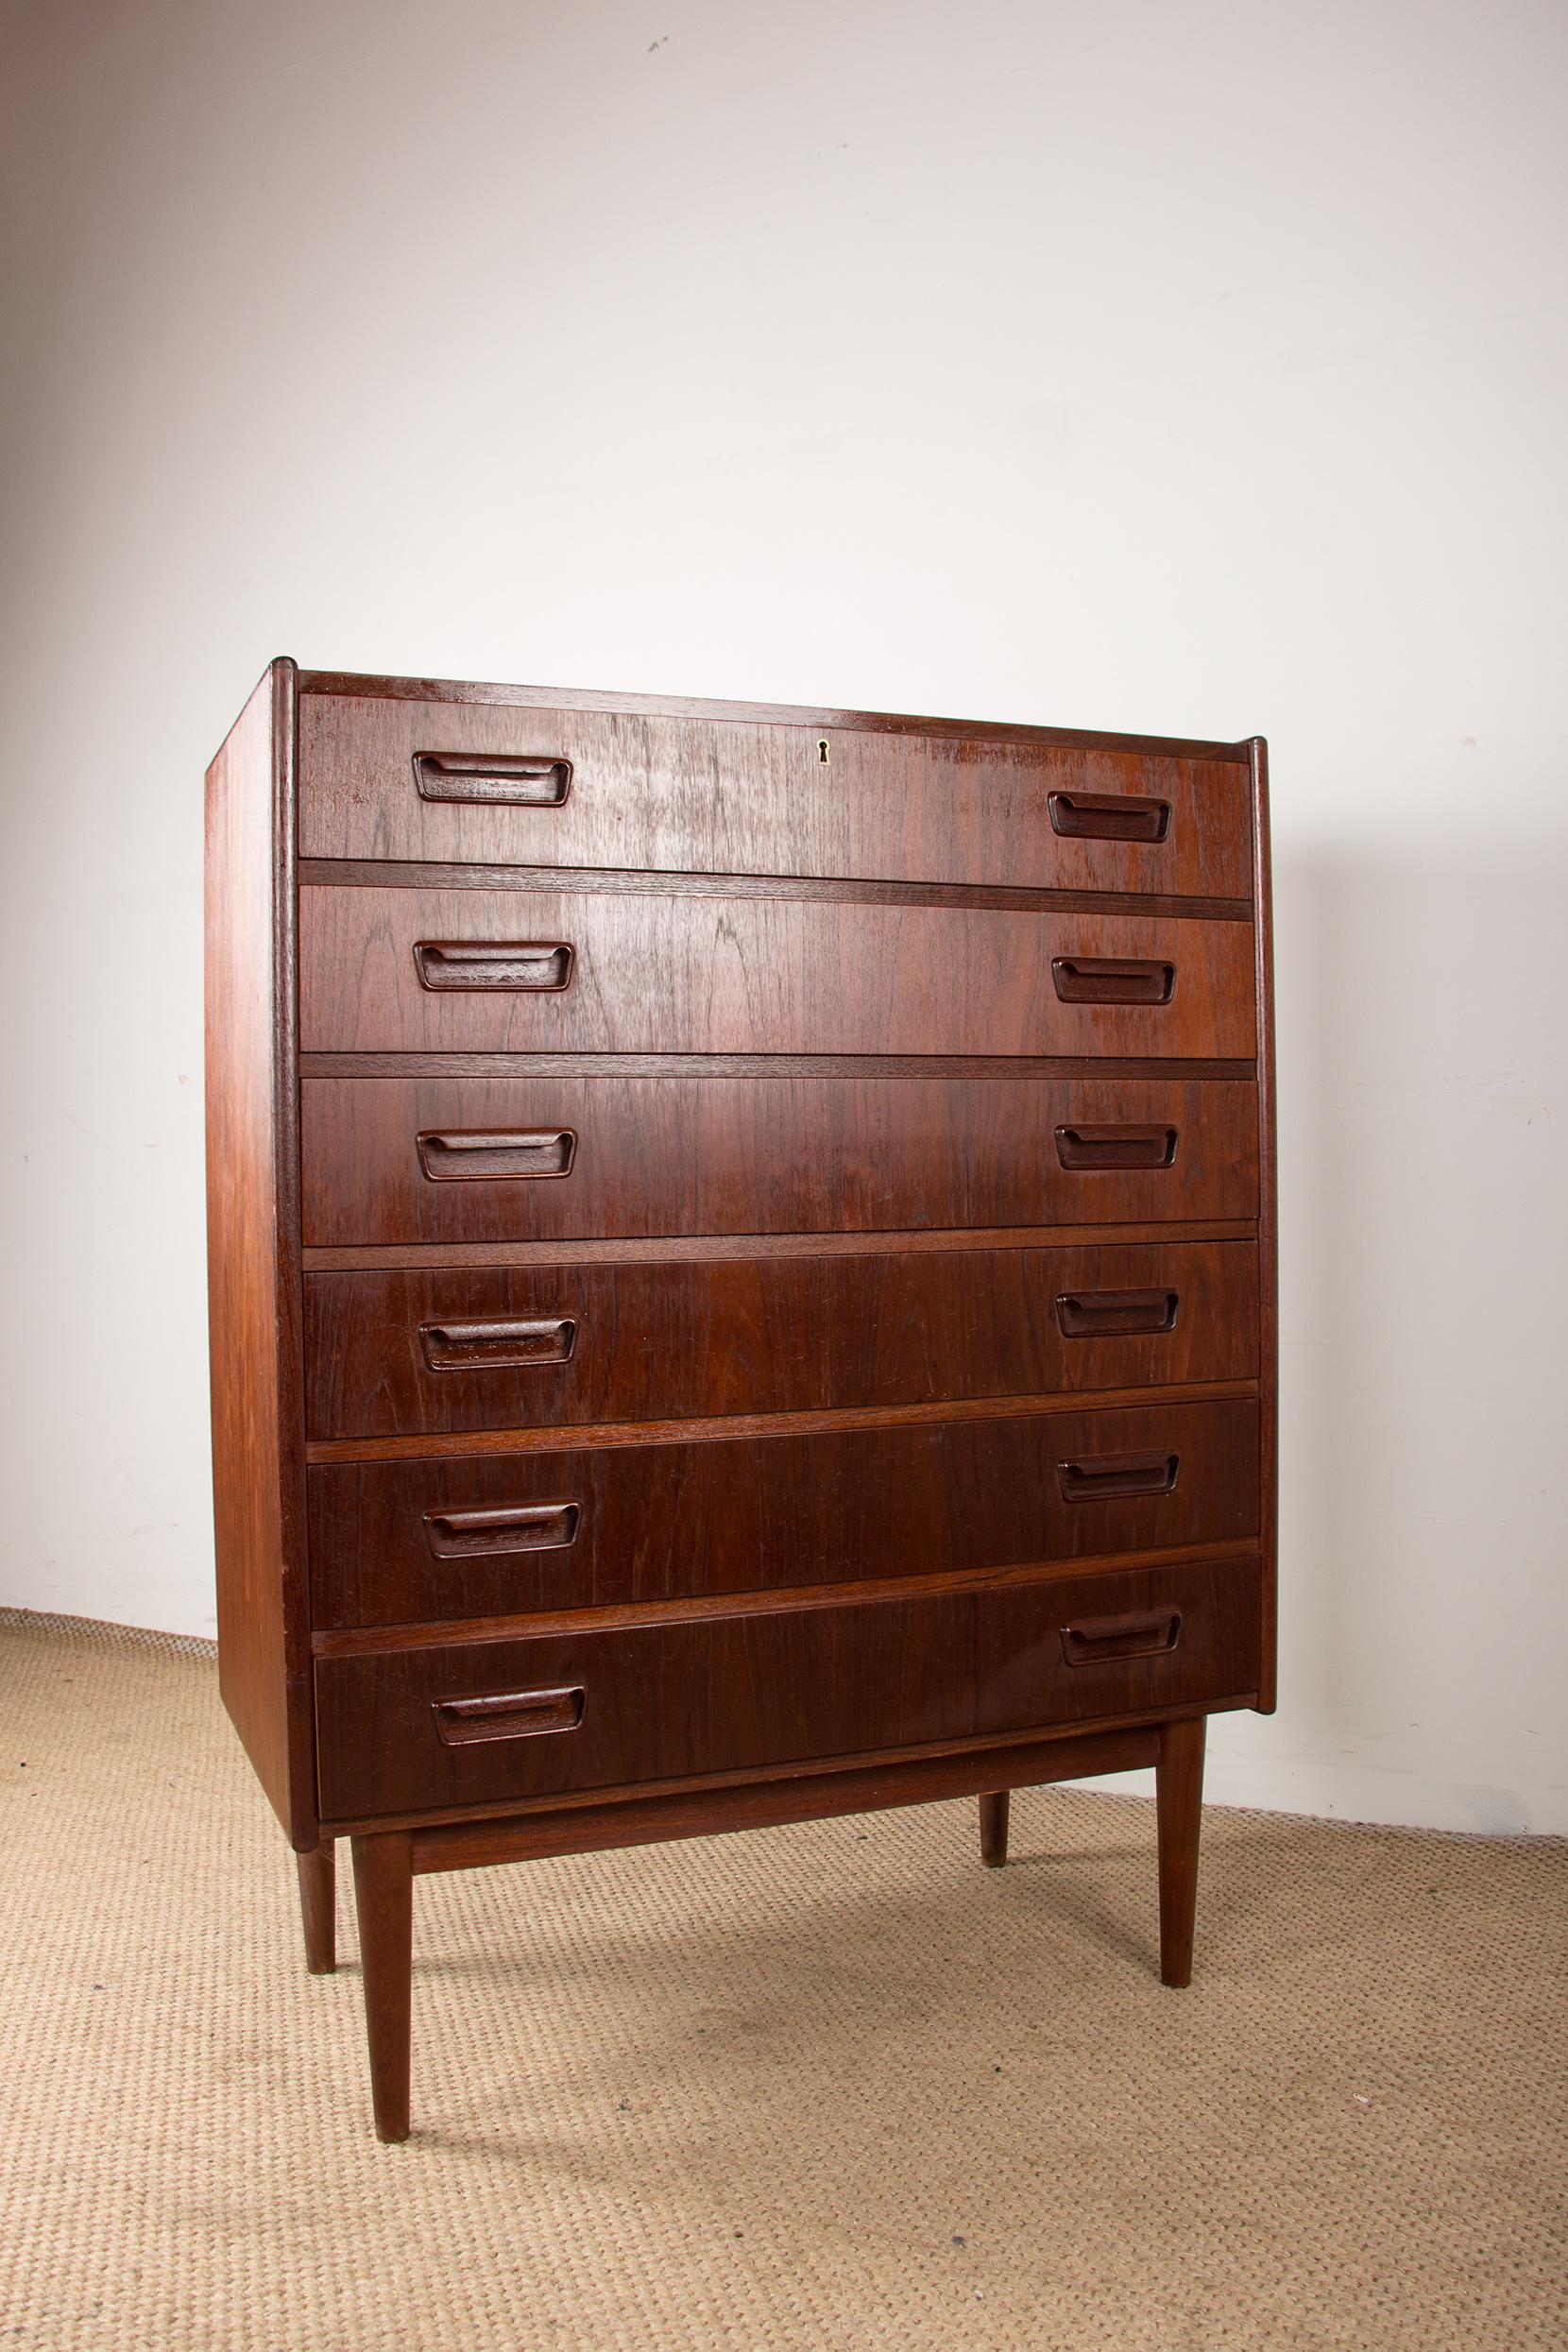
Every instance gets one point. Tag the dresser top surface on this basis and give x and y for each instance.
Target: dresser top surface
(354, 685)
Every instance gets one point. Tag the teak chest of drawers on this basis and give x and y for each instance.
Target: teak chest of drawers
(741, 1273)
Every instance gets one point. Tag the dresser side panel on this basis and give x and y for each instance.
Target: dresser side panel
(1267, 1235)
(253, 1235)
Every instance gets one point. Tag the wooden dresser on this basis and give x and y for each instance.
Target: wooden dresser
(741, 1273)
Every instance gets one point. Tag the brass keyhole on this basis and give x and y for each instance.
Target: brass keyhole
(822, 750)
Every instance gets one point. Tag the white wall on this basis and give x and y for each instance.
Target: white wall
(1192, 370)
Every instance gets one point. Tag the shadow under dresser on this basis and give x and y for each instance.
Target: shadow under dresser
(741, 1273)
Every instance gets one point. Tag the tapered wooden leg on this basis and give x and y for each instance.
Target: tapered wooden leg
(1178, 1806)
(383, 1896)
(318, 1907)
(993, 1818)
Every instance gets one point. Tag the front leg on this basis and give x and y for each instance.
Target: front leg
(1177, 1808)
(384, 1894)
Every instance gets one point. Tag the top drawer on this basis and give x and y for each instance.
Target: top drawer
(483, 783)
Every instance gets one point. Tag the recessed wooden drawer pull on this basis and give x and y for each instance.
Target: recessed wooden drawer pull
(513, 783)
(491, 1534)
(1115, 1146)
(1112, 980)
(482, 1155)
(1095, 1638)
(1109, 1476)
(496, 1343)
(480, 963)
(1109, 817)
(1115, 1314)
(508, 1716)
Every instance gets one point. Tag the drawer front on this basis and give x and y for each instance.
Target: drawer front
(424, 1729)
(502, 1159)
(392, 1355)
(554, 971)
(471, 783)
(435, 1540)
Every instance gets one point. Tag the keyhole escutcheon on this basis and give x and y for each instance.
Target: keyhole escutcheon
(823, 753)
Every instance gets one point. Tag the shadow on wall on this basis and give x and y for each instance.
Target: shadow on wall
(1424, 1214)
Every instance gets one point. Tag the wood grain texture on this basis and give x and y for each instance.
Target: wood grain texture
(1267, 1228)
(365, 686)
(765, 1335)
(253, 1244)
(317, 1875)
(789, 1207)
(658, 973)
(491, 1444)
(993, 897)
(694, 1249)
(1178, 1806)
(743, 795)
(771, 1689)
(740, 1515)
(352, 1641)
(707, 1065)
(643, 1820)
(715, 1155)
(995, 1805)
(758, 1779)
(383, 1896)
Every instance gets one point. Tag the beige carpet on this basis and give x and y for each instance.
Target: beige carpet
(826, 2087)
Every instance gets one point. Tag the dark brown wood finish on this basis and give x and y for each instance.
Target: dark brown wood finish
(318, 1907)
(576, 1825)
(991, 898)
(778, 1688)
(554, 971)
(383, 1898)
(1268, 1225)
(994, 1808)
(775, 1212)
(1179, 1805)
(450, 1632)
(931, 1065)
(745, 795)
(253, 1252)
(405, 1352)
(760, 1792)
(688, 1155)
(369, 686)
(414, 1542)
(688, 1248)
(479, 1443)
